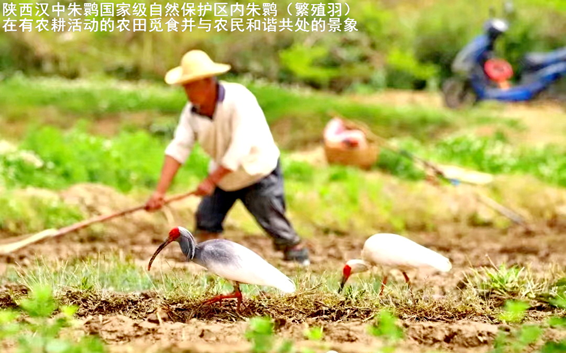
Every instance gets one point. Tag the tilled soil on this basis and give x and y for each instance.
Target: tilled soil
(134, 322)
(229, 337)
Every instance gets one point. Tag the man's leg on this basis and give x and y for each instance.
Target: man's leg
(211, 213)
(265, 200)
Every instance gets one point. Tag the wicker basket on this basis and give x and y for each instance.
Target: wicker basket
(360, 157)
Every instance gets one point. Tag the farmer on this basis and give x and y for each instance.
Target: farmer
(228, 123)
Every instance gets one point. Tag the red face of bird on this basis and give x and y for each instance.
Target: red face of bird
(346, 272)
(352, 266)
(174, 235)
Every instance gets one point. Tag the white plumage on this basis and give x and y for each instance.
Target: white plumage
(243, 266)
(395, 252)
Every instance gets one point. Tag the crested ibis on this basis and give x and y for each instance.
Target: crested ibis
(229, 260)
(394, 252)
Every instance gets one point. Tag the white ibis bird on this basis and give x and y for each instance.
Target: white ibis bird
(395, 252)
(229, 260)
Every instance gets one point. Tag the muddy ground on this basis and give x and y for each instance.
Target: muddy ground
(128, 321)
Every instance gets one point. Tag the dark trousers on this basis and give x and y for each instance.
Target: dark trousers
(265, 200)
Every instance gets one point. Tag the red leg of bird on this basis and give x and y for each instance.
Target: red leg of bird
(408, 282)
(235, 294)
(383, 283)
(406, 278)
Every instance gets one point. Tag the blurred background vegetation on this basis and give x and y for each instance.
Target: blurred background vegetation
(405, 44)
(85, 90)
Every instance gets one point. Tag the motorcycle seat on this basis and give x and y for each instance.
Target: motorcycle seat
(535, 60)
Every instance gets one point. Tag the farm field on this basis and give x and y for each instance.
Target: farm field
(72, 150)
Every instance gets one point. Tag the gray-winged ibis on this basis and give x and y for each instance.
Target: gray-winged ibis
(229, 260)
(394, 252)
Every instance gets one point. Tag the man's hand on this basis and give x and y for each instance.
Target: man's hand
(206, 187)
(155, 202)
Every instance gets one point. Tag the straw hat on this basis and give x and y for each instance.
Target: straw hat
(195, 65)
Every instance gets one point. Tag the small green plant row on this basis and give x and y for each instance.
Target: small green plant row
(108, 161)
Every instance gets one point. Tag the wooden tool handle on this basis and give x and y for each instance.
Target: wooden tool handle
(51, 233)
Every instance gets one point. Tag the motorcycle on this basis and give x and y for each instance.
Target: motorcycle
(480, 75)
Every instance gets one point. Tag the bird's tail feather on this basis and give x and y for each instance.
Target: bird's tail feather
(283, 283)
(440, 263)
(287, 286)
(280, 281)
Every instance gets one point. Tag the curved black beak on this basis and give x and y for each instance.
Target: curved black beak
(342, 283)
(161, 247)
